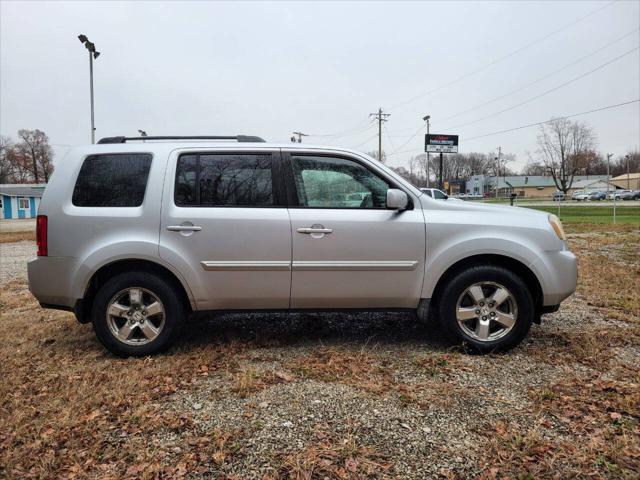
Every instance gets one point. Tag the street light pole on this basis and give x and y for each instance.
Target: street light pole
(609, 155)
(93, 123)
(93, 54)
(427, 118)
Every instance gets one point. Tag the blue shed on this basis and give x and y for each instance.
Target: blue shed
(20, 200)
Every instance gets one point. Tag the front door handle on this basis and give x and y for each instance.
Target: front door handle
(184, 228)
(310, 230)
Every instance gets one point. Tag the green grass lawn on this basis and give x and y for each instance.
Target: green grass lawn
(595, 214)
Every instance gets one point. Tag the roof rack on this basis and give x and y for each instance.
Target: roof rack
(238, 138)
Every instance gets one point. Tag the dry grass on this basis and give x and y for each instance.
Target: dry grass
(69, 409)
(10, 237)
(583, 425)
(362, 370)
(609, 270)
(248, 380)
(332, 455)
(584, 428)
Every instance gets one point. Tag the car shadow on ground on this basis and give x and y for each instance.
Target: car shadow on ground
(308, 329)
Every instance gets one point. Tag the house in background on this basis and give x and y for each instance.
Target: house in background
(630, 182)
(20, 200)
(531, 186)
(591, 185)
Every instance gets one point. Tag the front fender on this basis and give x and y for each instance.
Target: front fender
(444, 255)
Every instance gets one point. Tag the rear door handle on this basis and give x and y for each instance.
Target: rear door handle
(184, 228)
(310, 230)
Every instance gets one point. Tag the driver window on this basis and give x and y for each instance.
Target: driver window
(331, 182)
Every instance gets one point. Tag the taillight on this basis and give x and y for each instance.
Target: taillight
(41, 235)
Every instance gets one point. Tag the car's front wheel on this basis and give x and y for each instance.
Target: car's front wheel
(137, 314)
(486, 307)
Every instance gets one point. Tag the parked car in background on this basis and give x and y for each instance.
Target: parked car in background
(617, 194)
(597, 195)
(631, 195)
(133, 237)
(580, 196)
(435, 193)
(558, 196)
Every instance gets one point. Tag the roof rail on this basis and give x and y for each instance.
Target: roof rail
(238, 138)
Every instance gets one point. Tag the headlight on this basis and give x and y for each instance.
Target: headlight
(557, 227)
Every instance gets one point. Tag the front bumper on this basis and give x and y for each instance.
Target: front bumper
(558, 275)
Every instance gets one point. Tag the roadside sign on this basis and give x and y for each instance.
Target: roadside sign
(438, 143)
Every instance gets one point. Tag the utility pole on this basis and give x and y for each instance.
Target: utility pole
(300, 135)
(426, 119)
(497, 159)
(381, 117)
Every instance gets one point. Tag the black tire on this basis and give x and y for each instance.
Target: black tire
(454, 289)
(165, 291)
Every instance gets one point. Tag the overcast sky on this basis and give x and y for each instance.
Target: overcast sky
(269, 68)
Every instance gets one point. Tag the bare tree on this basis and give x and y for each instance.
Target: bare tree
(6, 169)
(34, 149)
(619, 166)
(562, 146)
(374, 154)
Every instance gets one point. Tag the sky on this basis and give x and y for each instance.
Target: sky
(271, 68)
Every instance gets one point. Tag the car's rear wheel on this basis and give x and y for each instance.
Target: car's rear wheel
(137, 314)
(486, 307)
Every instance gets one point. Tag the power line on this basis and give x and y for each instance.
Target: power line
(346, 133)
(555, 118)
(543, 77)
(599, 67)
(366, 141)
(381, 117)
(410, 139)
(504, 57)
(386, 134)
(536, 123)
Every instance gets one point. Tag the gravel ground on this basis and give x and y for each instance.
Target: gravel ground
(423, 441)
(423, 406)
(14, 258)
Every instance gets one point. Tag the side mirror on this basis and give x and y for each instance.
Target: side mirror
(396, 199)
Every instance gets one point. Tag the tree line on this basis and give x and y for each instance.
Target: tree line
(565, 149)
(27, 160)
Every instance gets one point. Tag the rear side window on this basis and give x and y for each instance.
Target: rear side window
(224, 180)
(114, 180)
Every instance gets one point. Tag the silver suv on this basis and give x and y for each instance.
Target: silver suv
(135, 236)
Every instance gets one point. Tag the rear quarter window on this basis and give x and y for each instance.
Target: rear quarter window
(112, 180)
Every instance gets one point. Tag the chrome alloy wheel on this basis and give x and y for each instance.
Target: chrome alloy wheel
(486, 311)
(135, 316)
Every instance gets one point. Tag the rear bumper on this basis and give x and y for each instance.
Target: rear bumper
(50, 281)
(559, 276)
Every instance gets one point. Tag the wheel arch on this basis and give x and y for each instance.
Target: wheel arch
(109, 270)
(516, 266)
